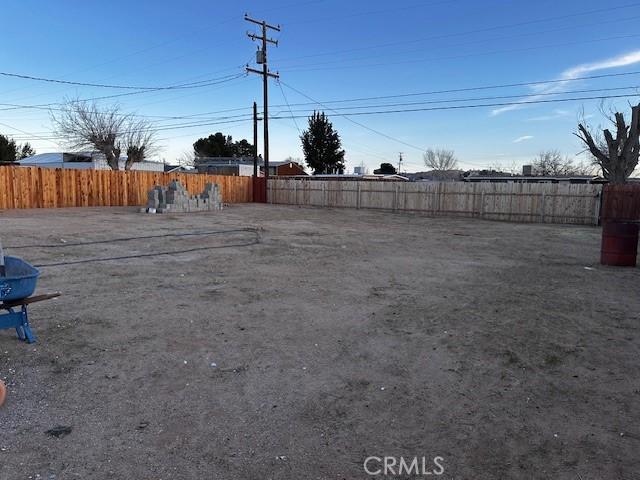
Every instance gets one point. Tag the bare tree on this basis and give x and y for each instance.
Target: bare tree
(140, 143)
(440, 159)
(187, 159)
(86, 125)
(618, 157)
(551, 163)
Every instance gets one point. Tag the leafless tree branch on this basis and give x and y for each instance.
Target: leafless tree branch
(86, 125)
(440, 159)
(617, 156)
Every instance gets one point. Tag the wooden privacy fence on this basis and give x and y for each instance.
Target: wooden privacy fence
(31, 187)
(517, 202)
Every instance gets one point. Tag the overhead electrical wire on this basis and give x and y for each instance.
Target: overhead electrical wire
(475, 88)
(349, 114)
(468, 32)
(289, 107)
(52, 106)
(476, 99)
(48, 106)
(396, 53)
(458, 107)
(191, 31)
(377, 132)
(103, 85)
(152, 130)
(451, 57)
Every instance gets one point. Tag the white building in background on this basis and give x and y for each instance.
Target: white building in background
(361, 169)
(83, 161)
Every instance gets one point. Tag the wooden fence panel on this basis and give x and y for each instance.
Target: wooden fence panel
(31, 187)
(517, 202)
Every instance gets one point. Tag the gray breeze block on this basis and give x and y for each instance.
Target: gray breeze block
(175, 198)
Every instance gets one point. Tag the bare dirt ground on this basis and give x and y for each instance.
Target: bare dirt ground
(340, 335)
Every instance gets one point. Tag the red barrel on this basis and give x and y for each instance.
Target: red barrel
(619, 244)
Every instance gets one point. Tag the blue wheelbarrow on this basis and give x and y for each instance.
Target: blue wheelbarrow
(17, 284)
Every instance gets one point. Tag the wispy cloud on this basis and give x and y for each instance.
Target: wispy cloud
(523, 138)
(575, 72)
(552, 116)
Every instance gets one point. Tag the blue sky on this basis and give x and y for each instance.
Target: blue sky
(330, 50)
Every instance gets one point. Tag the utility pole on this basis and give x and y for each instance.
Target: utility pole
(399, 162)
(255, 139)
(261, 58)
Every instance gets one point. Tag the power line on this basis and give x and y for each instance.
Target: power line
(538, 33)
(468, 55)
(51, 106)
(475, 99)
(27, 133)
(370, 12)
(156, 129)
(14, 106)
(450, 107)
(48, 106)
(289, 107)
(459, 107)
(199, 84)
(468, 32)
(176, 37)
(377, 132)
(470, 89)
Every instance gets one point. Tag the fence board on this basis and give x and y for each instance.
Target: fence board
(517, 202)
(32, 187)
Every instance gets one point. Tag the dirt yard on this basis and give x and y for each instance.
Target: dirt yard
(505, 349)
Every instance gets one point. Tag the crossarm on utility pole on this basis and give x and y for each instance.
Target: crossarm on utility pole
(262, 23)
(262, 59)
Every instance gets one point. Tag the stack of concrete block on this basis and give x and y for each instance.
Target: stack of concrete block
(175, 198)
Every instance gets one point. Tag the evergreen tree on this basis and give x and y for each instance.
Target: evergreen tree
(219, 145)
(322, 146)
(385, 169)
(8, 149)
(26, 150)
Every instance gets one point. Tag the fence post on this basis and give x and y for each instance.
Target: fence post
(395, 198)
(482, 204)
(295, 192)
(358, 200)
(597, 207)
(542, 208)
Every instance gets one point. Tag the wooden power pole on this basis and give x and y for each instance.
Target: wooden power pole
(255, 139)
(262, 60)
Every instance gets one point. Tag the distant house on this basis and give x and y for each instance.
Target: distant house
(436, 176)
(568, 179)
(286, 169)
(83, 161)
(346, 177)
(232, 166)
(243, 167)
(177, 169)
(491, 176)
